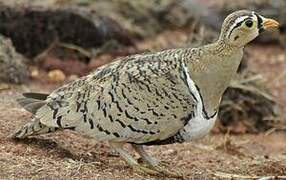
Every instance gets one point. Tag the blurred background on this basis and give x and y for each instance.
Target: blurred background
(47, 43)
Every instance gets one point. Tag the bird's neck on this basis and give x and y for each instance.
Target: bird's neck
(217, 63)
(221, 48)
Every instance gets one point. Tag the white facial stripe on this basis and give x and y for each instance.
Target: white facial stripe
(253, 15)
(263, 18)
(237, 20)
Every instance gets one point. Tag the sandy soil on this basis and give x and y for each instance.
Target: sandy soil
(65, 155)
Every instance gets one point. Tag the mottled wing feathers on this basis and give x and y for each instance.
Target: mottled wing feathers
(60, 109)
(155, 108)
(138, 99)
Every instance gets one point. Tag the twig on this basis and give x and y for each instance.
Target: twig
(80, 164)
(236, 176)
(4, 86)
(278, 78)
(251, 79)
(237, 85)
(76, 48)
(43, 54)
(272, 130)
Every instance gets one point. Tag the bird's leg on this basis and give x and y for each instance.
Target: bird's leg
(153, 163)
(130, 160)
(145, 156)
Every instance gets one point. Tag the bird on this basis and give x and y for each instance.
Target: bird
(159, 98)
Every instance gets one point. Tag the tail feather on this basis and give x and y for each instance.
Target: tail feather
(32, 128)
(32, 101)
(38, 96)
(31, 105)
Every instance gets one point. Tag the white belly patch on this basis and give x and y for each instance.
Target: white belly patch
(200, 124)
(197, 128)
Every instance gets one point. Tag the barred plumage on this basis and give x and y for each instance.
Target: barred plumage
(167, 97)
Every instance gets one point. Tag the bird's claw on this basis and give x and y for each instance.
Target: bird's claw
(168, 173)
(145, 170)
(157, 171)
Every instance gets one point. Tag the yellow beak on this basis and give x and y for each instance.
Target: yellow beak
(269, 23)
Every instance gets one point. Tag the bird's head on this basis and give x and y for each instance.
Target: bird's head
(241, 27)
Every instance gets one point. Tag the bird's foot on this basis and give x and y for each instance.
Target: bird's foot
(145, 170)
(167, 172)
(156, 171)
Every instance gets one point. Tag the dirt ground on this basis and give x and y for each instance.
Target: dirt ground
(65, 155)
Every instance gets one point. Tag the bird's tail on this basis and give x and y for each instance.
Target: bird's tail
(32, 128)
(32, 102)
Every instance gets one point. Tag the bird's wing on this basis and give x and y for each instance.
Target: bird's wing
(137, 99)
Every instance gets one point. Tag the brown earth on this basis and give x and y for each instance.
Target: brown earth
(65, 155)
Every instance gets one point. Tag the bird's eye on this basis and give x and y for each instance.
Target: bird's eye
(249, 23)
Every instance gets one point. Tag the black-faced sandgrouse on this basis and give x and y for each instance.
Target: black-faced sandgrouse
(159, 98)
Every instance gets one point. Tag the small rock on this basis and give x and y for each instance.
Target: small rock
(72, 77)
(170, 152)
(35, 73)
(281, 58)
(12, 66)
(4, 86)
(56, 75)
